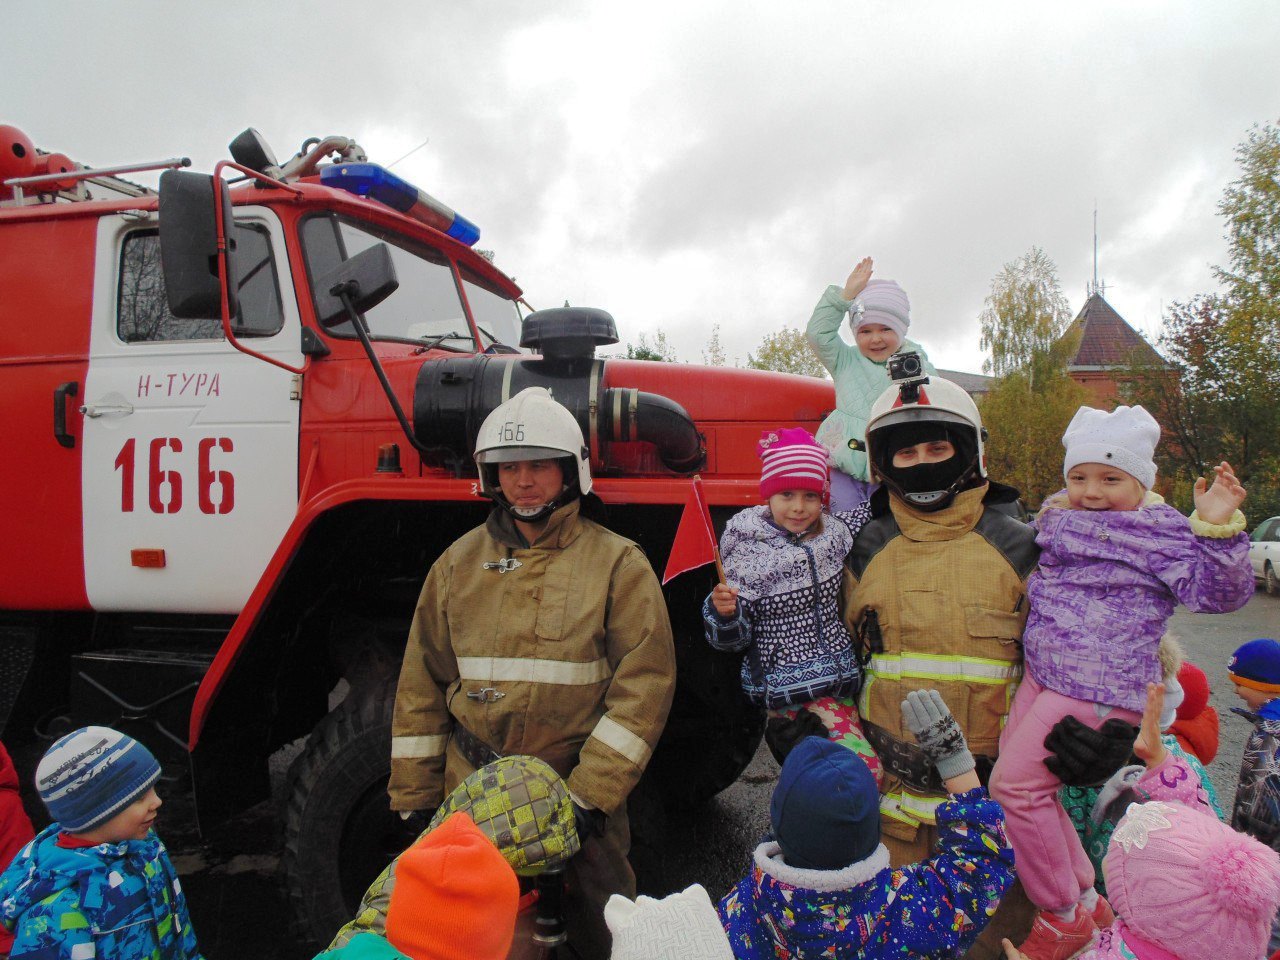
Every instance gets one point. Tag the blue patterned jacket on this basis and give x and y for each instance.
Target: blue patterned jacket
(788, 620)
(869, 910)
(114, 901)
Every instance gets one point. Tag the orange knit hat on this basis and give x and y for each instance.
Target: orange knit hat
(455, 896)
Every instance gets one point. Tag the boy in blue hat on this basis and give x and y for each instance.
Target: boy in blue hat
(97, 882)
(823, 886)
(1255, 673)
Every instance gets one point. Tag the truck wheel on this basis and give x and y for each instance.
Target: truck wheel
(339, 829)
(1270, 580)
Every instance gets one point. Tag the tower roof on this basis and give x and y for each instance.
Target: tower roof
(1106, 340)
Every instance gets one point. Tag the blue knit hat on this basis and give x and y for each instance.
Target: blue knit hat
(1256, 664)
(826, 807)
(89, 776)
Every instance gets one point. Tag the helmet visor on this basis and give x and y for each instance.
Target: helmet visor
(516, 454)
(919, 415)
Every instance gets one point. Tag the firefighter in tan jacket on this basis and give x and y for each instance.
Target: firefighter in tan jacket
(935, 594)
(539, 633)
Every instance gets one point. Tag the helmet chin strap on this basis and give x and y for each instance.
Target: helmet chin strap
(537, 514)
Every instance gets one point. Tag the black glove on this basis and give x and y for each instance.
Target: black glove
(417, 821)
(588, 823)
(1082, 757)
(783, 733)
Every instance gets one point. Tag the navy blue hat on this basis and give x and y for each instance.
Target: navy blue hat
(89, 776)
(1256, 664)
(826, 807)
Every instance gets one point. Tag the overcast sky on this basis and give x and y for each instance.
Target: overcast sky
(688, 163)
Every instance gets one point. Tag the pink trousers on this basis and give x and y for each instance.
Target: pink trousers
(1050, 860)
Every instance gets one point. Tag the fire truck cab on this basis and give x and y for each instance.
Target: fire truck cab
(239, 418)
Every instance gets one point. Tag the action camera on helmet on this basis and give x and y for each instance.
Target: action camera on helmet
(906, 370)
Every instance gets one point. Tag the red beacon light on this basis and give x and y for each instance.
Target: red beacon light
(18, 156)
(379, 183)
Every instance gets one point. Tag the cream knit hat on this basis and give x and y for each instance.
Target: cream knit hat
(683, 926)
(1125, 438)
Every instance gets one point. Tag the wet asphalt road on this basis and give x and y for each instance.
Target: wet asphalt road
(238, 903)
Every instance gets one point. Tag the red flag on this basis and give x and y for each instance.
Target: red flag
(695, 542)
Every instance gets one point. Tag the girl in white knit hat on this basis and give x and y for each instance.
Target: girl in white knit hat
(1114, 561)
(879, 315)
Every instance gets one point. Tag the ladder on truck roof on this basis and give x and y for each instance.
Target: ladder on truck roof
(73, 184)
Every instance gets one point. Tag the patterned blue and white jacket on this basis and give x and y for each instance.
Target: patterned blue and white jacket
(869, 910)
(788, 620)
(113, 901)
(1257, 804)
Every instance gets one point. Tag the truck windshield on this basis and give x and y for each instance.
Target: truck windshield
(426, 308)
(497, 317)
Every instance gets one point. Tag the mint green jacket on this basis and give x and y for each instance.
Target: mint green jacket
(859, 381)
(364, 946)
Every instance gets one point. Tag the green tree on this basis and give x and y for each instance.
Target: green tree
(713, 356)
(658, 349)
(786, 351)
(1221, 401)
(1024, 318)
(1212, 404)
(1032, 399)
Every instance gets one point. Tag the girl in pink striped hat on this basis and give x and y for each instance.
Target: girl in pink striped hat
(780, 605)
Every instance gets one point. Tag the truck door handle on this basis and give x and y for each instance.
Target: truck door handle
(60, 393)
(95, 410)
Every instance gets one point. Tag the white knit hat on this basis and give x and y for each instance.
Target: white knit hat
(1125, 438)
(883, 302)
(683, 926)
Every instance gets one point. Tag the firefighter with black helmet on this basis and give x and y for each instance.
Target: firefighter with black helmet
(935, 590)
(540, 633)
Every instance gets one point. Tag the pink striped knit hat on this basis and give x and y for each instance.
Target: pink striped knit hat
(793, 460)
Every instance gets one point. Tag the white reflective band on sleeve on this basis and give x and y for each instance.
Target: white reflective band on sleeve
(417, 748)
(926, 667)
(529, 670)
(613, 734)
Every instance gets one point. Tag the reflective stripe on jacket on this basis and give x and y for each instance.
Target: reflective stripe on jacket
(948, 593)
(561, 649)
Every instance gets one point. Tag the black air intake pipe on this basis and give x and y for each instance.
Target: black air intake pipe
(453, 395)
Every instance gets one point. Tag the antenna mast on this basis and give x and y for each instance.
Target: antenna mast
(1095, 286)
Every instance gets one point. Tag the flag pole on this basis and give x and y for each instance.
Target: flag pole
(715, 544)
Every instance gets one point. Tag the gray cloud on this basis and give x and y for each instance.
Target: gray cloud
(685, 164)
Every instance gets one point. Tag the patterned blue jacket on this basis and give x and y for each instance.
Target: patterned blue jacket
(114, 901)
(788, 620)
(1257, 804)
(869, 910)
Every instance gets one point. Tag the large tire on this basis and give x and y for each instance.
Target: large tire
(339, 828)
(1270, 580)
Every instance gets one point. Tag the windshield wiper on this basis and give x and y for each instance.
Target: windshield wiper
(436, 341)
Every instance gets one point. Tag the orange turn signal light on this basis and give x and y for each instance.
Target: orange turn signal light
(147, 558)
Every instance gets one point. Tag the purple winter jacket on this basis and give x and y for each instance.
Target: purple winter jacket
(1107, 584)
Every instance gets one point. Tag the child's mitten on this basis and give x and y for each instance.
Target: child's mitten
(929, 719)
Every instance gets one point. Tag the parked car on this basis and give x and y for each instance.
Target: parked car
(1264, 554)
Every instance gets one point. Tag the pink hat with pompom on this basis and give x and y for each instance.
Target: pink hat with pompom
(793, 460)
(1187, 883)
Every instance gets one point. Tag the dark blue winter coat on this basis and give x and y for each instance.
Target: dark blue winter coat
(869, 910)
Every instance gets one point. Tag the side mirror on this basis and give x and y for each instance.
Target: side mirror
(189, 246)
(370, 277)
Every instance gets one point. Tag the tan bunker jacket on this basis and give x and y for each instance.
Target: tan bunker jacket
(560, 649)
(936, 601)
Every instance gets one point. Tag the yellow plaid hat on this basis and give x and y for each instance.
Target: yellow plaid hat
(523, 806)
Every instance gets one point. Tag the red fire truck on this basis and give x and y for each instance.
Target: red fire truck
(223, 487)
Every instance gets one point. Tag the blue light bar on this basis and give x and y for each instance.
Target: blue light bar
(378, 183)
